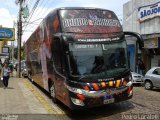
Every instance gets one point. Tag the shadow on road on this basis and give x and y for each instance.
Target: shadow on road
(111, 110)
(9, 88)
(138, 85)
(156, 89)
(1, 84)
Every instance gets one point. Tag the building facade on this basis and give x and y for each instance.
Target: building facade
(143, 16)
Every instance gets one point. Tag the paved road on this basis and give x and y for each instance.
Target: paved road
(23, 100)
(144, 105)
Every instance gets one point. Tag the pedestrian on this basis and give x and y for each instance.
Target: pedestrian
(1, 65)
(141, 66)
(11, 68)
(5, 74)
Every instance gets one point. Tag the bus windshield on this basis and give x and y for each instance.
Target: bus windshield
(91, 59)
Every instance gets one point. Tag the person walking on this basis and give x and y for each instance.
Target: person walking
(11, 68)
(141, 67)
(5, 74)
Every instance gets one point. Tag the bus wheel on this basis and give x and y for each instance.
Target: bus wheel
(52, 93)
(30, 78)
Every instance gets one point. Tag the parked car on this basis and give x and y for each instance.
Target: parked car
(137, 78)
(15, 65)
(152, 78)
(24, 69)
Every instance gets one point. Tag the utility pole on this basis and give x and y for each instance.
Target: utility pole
(12, 49)
(19, 36)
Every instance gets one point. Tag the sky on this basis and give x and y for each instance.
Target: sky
(9, 11)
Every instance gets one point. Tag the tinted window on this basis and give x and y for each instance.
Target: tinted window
(98, 58)
(58, 56)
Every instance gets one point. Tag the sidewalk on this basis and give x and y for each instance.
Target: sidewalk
(18, 99)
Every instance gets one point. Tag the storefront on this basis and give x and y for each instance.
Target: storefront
(153, 46)
(143, 16)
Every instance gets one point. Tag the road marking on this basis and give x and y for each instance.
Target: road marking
(42, 100)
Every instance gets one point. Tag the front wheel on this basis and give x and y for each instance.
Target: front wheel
(53, 93)
(148, 85)
(30, 78)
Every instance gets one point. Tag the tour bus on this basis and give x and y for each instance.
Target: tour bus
(79, 55)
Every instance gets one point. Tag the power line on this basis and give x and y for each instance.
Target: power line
(32, 12)
(44, 4)
(37, 13)
(30, 4)
(37, 9)
(43, 8)
(50, 4)
(27, 1)
(33, 9)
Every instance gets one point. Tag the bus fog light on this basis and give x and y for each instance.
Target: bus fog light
(77, 101)
(79, 91)
(76, 90)
(129, 84)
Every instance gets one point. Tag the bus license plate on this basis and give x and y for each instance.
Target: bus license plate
(108, 101)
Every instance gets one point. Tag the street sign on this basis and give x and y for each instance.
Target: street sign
(5, 49)
(7, 33)
(25, 12)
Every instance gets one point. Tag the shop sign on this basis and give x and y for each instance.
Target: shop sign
(5, 49)
(151, 43)
(149, 11)
(7, 34)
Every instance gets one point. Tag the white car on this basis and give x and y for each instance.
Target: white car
(137, 78)
(152, 78)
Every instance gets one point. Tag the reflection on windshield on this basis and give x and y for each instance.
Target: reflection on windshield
(97, 58)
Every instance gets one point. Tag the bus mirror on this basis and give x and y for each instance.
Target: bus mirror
(139, 38)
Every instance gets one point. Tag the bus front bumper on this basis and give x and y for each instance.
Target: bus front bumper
(84, 99)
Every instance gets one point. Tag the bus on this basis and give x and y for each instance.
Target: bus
(79, 55)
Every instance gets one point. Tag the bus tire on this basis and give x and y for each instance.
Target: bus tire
(53, 93)
(30, 78)
(29, 75)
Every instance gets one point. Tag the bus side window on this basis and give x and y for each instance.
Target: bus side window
(57, 56)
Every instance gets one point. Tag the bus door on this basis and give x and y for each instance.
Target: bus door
(60, 72)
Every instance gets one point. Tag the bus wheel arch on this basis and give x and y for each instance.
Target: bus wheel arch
(52, 91)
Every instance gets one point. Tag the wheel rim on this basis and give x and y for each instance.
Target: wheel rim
(148, 85)
(52, 90)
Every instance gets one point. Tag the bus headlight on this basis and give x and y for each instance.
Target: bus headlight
(76, 90)
(77, 101)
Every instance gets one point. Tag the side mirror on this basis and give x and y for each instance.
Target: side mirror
(139, 38)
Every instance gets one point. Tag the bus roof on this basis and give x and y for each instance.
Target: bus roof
(80, 8)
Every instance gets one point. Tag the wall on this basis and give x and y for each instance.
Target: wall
(130, 18)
